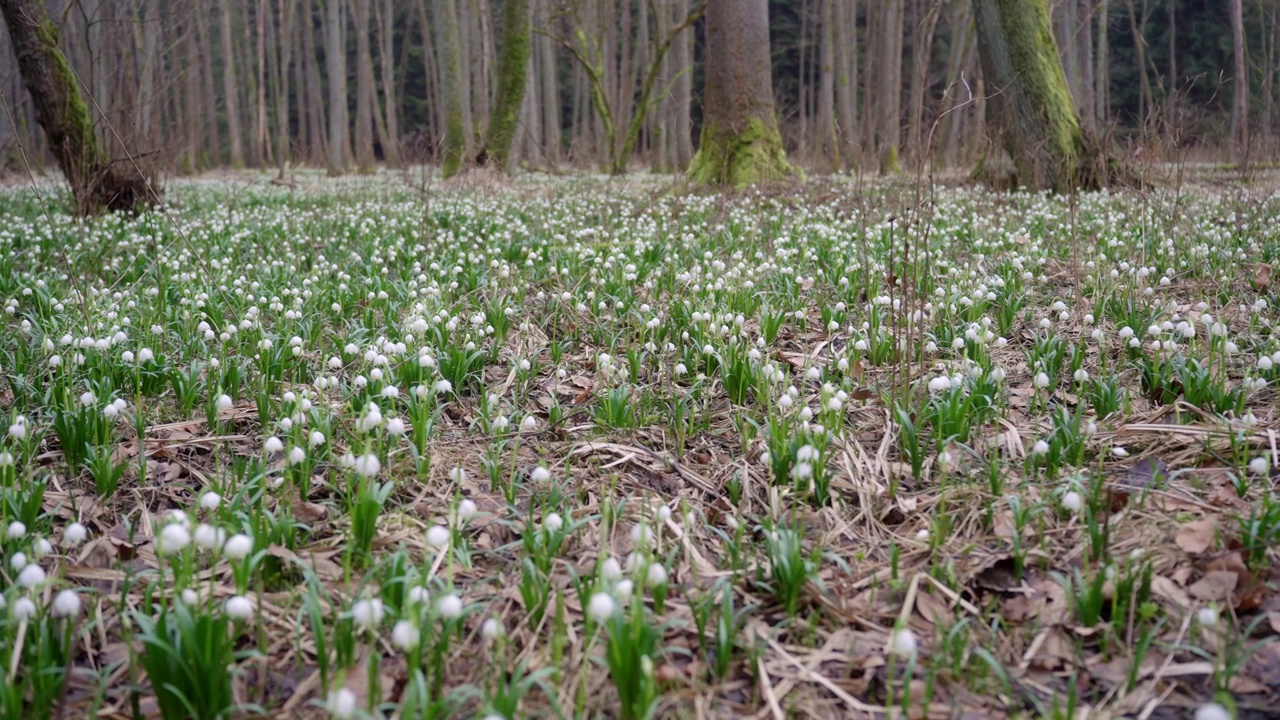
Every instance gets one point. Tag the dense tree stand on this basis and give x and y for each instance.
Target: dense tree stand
(1030, 101)
(740, 141)
(96, 183)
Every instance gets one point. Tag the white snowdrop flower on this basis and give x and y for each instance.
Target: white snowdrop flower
(1042, 380)
(316, 439)
(189, 597)
(173, 538)
(610, 569)
(1259, 466)
(466, 509)
(145, 355)
(443, 386)
(405, 636)
(208, 537)
(297, 455)
(1126, 332)
(939, 384)
(367, 613)
(806, 414)
(16, 530)
(66, 604)
(1119, 452)
(640, 534)
(813, 373)
(272, 445)
(1207, 616)
(286, 424)
(74, 534)
(492, 629)
(501, 423)
(395, 426)
(680, 369)
(390, 391)
(18, 561)
(922, 534)
(601, 607)
(1264, 363)
(656, 575)
(449, 606)
(540, 474)
(367, 465)
(417, 595)
(458, 474)
(437, 536)
(529, 423)
(663, 513)
(110, 411)
(6, 459)
(1081, 375)
(210, 500)
(834, 404)
(1045, 323)
(18, 431)
(238, 546)
(903, 643)
(1040, 448)
(785, 402)
(31, 576)
(1212, 711)
(23, 608)
(1071, 501)
(553, 522)
(342, 703)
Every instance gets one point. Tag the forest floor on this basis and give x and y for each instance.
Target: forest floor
(393, 448)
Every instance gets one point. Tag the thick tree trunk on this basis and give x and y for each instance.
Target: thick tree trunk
(387, 60)
(336, 60)
(889, 100)
(681, 121)
(513, 70)
(455, 138)
(1087, 100)
(1102, 68)
(550, 100)
(920, 56)
(740, 142)
(830, 145)
(364, 90)
(96, 184)
(1030, 102)
(847, 77)
(230, 88)
(1239, 88)
(285, 48)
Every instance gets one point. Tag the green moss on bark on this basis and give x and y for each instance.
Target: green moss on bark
(513, 66)
(739, 159)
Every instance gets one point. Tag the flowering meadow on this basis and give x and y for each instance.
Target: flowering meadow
(366, 448)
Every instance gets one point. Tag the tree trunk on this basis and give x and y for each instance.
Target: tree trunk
(550, 100)
(214, 148)
(889, 121)
(1239, 88)
(682, 121)
(315, 98)
(1030, 102)
(1102, 68)
(230, 88)
(387, 60)
(96, 184)
(364, 90)
(920, 56)
(455, 138)
(513, 70)
(740, 142)
(285, 48)
(846, 22)
(336, 59)
(1139, 30)
(1086, 102)
(830, 145)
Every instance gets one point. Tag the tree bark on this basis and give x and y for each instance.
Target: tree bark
(1239, 88)
(740, 142)
(364, 90)
(513, 70)
(96, 184)
(336, 60)
(681, 120)
(455, 138)
(230, 88)
(830, 144)
(1102, 68)
(391, 104)
(550, 100)
(889, 99)
(1030, 101)
(847, 78)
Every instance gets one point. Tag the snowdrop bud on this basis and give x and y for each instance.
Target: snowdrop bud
(656, 575)
(610, 569)
(553, 522)
(1212, 711)
(23, 608)
(1207, 616)
(342, 703)
(540, 474)
(16, 530)
(173, 538)
(367, 613)
(367, 465)
(903, 643)
(1259, 466)
(600, 607)
(492, 629)
(1040, 448)
(1071, 501)
(297, 455)
(210, 500)
(66, 604)
(31, 576)
(437, 536)
(74, 534)
(449, 606)
(238, 546)
(405, 636)
(272, 445)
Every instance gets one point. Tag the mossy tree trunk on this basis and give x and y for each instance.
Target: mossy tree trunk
(96, 184)
(1030, 102)
(740, 143)
(455, 128)
(513, 69)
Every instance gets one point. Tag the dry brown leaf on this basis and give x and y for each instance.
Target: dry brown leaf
(1196, 537)
(1262, 276)
(1215, 586)
(1165, 588)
